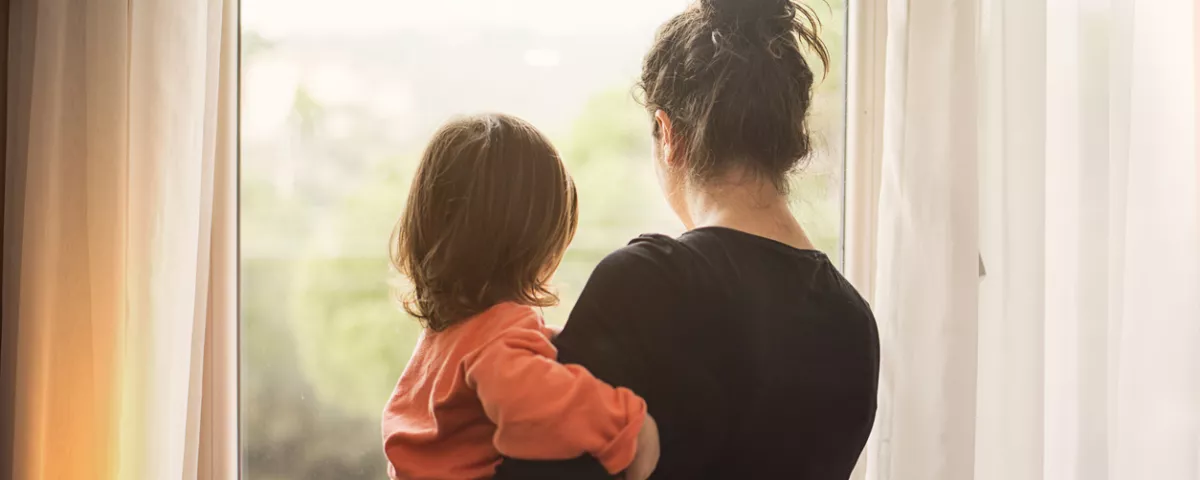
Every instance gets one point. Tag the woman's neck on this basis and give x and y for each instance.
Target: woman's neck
(750, 206)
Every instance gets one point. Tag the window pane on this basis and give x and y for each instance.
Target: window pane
(338, 100)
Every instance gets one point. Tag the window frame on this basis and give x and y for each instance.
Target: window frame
(866, 40)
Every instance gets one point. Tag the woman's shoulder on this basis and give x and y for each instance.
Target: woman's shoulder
(648, 254)
(649, 267)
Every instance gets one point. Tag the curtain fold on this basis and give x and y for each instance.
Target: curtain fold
(925, 295)
(120, 239)
(1078, 357)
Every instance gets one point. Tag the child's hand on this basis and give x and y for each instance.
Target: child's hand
(647, 452)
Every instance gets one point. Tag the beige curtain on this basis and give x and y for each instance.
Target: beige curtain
(1055, 142)
(120, 240)
(927, 244)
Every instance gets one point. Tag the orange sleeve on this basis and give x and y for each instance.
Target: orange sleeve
(545, 410)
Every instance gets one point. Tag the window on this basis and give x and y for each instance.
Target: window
(338, 101)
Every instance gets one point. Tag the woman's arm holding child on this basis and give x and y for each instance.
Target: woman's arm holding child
(547, 410)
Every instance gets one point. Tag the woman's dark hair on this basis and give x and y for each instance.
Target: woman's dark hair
(490, 213)
(731, 76)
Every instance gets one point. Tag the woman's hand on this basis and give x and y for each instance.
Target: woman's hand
(647, 452)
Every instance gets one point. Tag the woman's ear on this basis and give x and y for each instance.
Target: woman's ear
(666, 136)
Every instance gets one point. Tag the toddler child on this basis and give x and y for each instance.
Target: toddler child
(490, 213)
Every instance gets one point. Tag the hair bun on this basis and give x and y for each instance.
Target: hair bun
(746, 11)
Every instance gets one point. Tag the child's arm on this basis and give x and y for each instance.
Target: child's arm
(547, 410)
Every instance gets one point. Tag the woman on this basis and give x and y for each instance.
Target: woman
(755, 356)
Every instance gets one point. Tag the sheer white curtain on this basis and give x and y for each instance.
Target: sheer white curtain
(927, 237)
(120, 240)
(1055, 141)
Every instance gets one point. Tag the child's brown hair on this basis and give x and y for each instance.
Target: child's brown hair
(490, 213)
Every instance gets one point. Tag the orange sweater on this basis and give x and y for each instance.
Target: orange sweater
(490, 386)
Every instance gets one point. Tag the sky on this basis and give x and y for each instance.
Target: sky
(270, 81)
(280, 18)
